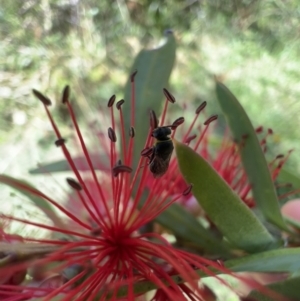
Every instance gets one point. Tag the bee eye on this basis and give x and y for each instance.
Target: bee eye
(155, 132)
(168, 131)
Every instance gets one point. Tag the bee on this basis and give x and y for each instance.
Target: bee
(160, 154)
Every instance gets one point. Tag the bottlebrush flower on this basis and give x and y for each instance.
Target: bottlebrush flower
(225, 158)
(102, 252)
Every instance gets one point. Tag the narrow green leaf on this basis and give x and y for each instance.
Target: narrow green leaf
(24, 188)
(231, 216)
(252, 156)
(183, 224)
(99, 162)
(288, 176)
(154, 69)
(287, 288)
(293, 223)
(280, 260)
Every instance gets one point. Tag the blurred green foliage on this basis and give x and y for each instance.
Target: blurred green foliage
(250, 44)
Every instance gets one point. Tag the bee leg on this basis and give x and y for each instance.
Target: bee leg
(148, 152)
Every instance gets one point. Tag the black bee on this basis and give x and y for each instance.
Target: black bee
(160, 154)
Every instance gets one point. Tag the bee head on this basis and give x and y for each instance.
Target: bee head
(161, 133)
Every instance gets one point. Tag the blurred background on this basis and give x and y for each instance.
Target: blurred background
(252, 45)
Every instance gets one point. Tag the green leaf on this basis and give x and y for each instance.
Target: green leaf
(293, 223)
(287, 288)
(28, 190)
(280, 260)
(231, 216)
(288, 176)
(252, 156)
(154, 69)
(184, 225)
(99, 162)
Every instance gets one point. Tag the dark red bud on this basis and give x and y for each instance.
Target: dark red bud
(74, 184)
(111, 101)
(169, 96)
(45, 100)
(201, 107)
(270, 131)
(190, 138)
(210, 119)
(112, 135)
(177, 122)
(65, 94)
(259, 129)
(153, 120)
(132, 76)
(119, 104)
(121, 168)
(60, 142)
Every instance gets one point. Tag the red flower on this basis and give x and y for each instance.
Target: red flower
(103, 251)
(225, 158)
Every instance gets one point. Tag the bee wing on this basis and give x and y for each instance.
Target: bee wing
(159, 166)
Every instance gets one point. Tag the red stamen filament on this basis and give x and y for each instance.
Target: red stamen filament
(191, 126)
(67, 155)
(276, 171)
(123, 139)
(164, 113)
(86, 154)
